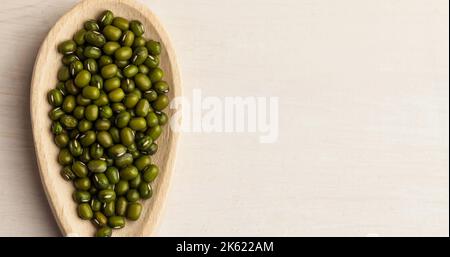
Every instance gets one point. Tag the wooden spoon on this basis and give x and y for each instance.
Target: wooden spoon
(58, 191)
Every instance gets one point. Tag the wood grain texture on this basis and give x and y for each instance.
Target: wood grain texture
(363, 146)
(44, 78)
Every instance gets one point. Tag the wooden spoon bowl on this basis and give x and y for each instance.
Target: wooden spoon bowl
(58, 191)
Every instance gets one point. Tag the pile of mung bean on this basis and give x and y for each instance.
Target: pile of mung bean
(107, 113)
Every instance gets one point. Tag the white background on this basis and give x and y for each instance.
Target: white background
(363, 146)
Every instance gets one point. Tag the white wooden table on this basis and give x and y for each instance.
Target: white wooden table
(364, 105)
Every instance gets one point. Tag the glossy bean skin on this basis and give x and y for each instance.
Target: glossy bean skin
(133, 195)
(155, 132)
(163, 119)
(91, 66)
(82, 101)
(135, 182)
(64, 157)
(106, 18)
(100, 219)
(82, 184)
(130, 71)
(88, 138)
(142, 108)
(153, 149)
(109, 71)
(122, 119)
(67, 173)
(161, 87)
(91, 25)
(81, 196)
(152, 61)
(140, 55)
(116, 222)
(100, 181)
(152, 119)
(131, 100)
(118, 108)
(112, 33)
(103, 232)
(91, 93)
(129, 172)
(150, 173)
(127, 38)
(156, 75)
(128, 85)
(122, 187)
(116, 95)
(121, 23)
(142, 162)
(96, 205)
(78, 37)
(124, 53)
(84, 125)
(102, 125)
(96, 151)
(121, 63)
(145, 190)
(107, 195)
(138, 124)
(80, 169)
(137, 28)
(92, 52)
(121, 206)
(106, 113)
(105, 139)
(67, 47)
(127, 136)
(85, 211)
(91, 112)
(83, 78)
(55, 97)
(115, 134)
(69, 122)
(144, 143)
(67, 59)
(143, 82)
(139, 41)
(102, 100)
(57, 128)
(69, 104)
(97, 166)
(95, 38)
(75, 67)
(111, 84)
(109, 208)
(63, 73)
(112, 173)
(109, 48)
(153, 47)
(117, 150)
(134, 211)
(124, 160)
(143, 69)
(78, 113)
(105, 59)
(71, 88)
(161, 102)
(75, 148)
(85, 157)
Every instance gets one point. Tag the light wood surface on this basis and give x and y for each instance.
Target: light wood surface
(363, 146)
(48, 60)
